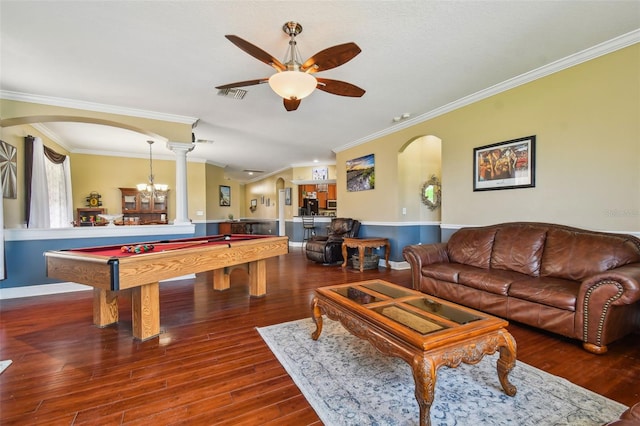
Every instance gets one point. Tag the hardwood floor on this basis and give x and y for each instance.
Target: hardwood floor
(209, 365)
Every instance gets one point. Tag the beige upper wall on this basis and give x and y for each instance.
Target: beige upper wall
(586, 119)
(104, 174)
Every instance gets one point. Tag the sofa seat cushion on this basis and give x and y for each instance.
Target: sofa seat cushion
(496, 281)
(443, 271)
(556, 292)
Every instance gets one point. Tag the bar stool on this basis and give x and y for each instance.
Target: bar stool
(308, 228)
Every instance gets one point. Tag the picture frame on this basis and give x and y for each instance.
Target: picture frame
(361, 173)
(9, 170)
(254, 202)
(225, 196)
(505, 165)
(287, 196)
(320, 173)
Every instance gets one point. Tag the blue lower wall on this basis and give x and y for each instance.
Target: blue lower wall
(401, 236)
(25, 262)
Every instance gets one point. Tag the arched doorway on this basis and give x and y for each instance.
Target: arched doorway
(418, 160)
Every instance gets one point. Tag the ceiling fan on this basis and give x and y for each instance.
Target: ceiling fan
(293, 80)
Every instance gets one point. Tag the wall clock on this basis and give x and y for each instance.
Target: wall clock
(93, 200)
(8, 170)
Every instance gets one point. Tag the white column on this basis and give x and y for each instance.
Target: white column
(181, 150)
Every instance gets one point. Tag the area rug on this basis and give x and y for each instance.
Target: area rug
(348, 382)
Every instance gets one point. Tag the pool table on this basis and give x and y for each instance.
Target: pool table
(111, 270)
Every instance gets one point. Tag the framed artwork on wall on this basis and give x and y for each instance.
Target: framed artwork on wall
(320, 173)
(505, 165)
(361, 173)
(287, 196)
(225, 196)
(9, 170)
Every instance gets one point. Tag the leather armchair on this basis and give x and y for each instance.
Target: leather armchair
(328, 249)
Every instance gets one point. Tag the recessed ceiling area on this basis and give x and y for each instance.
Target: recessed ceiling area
(167, 58)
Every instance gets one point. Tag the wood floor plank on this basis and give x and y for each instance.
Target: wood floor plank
(209, 365)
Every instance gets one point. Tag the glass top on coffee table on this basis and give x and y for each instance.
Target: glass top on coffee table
(420, 312)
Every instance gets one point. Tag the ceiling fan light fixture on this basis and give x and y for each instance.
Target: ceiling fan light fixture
(293, 84)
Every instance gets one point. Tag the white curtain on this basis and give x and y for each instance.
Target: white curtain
(59, 186)
(51, 204)
(39, 208)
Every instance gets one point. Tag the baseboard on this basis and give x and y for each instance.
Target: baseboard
(41, 290)
(58, 288)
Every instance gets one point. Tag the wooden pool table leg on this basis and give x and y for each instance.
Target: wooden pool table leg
(105, 307)
(222, 276)
(221, 279)
(145, 311)
(258, 278)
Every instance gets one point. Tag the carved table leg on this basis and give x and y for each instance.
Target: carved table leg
(316, 314)
(424, 375)
(506, 362)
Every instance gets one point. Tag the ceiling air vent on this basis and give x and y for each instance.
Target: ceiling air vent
(232, 93)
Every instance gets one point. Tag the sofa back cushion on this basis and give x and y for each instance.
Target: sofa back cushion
(519, 248)
(575, 255)
(471, 246)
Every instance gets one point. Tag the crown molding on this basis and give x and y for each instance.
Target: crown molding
(596, 51)
(92, 106)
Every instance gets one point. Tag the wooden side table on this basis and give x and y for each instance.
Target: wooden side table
(362, 244)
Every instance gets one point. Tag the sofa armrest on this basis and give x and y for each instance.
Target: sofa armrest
(631, 417)
(608, 306)
(620, 285)
(419, 255)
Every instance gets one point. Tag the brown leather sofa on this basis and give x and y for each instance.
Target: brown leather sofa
(328, 249)
(631, 417)
(574, 282)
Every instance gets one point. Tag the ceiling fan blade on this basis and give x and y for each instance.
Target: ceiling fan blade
(331, 57)
(243, 83)
(337, 87)
(291, 104)
(256, 52)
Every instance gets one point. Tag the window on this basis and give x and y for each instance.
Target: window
(49, 203)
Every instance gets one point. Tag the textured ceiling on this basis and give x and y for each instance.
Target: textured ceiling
(166, 57)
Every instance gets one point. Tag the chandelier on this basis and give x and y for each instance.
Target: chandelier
(152, 189)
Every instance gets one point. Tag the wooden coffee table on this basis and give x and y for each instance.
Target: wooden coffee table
(362, 244)
(425, 331)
